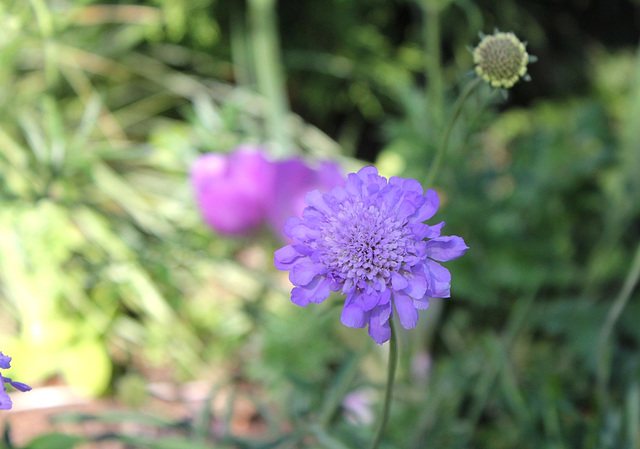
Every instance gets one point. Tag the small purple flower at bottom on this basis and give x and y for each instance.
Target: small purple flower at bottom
(368, 240)
(5, 400)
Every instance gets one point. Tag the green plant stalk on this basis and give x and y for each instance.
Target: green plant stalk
(391, 374)
(444, 142)
(240, 54)
(612, 318)
(432, 62)
(268, 73)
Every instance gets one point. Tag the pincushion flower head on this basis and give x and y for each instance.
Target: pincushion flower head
(368, 240)
(5, 400)
(501, 59)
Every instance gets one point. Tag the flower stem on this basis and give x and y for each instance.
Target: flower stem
(444, 142)
(433, 61)
(269, 72)
(391, 374)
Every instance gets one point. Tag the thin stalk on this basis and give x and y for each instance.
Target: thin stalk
(269, 74)
(612, 318)
(432, 62)
(444, 142)
(391, 374)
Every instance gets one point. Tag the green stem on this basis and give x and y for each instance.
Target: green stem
(444, 142)
(391, 374)
(614, 314)
(268, 72)
(432, 61)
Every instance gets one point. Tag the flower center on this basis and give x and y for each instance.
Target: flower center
(362, 244)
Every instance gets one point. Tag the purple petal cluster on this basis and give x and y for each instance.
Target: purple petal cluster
(5, 400)
(243, 190)
(368, 240)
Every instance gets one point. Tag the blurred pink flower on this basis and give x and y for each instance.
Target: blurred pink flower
(233, 190)
(242, 190)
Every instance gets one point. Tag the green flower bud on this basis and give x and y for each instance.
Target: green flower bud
(501, 59)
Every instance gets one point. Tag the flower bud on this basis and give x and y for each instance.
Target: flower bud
(501, 59)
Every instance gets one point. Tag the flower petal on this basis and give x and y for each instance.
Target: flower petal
(352, 315)
(429, 208)
(303, 271)
(5, 400)
(285, 257)
(17, 385)
(369, 300)
(434, 231)
(438, 278)
(420, 230)
(314, 199)
(417, 284)
(316, 291)
(406, 310)
(446, 248)
(290, 224)
(398, 282)
(379, 328)
(5, 361)
(405, 209)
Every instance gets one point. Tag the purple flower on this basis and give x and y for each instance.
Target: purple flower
(233, 191)
(368, 240)
(293, 179)
(5, 400)
(240, 191)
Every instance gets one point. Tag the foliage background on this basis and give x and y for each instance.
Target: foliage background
(107, 273)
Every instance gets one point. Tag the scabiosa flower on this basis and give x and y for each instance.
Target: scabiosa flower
(233, 190)
(501, 59)
(368, 240)
(5, 400)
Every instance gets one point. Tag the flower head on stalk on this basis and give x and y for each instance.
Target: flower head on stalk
(501, 59)
(368, 239)
(5, 400)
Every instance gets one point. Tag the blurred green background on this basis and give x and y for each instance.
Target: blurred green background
(107, 273)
